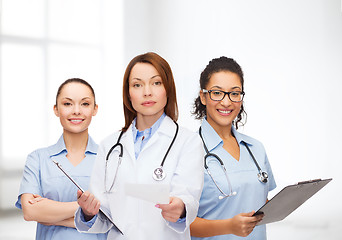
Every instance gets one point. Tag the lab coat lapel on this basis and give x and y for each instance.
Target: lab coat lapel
(166, 128)
(128, 144)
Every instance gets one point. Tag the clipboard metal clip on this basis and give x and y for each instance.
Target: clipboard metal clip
(310, 181)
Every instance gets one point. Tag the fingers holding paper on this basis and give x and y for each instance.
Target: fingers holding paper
(89, 204)
(172, 211)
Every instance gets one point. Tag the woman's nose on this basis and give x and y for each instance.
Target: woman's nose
(147, 90)
(77, 109)
(226, 101)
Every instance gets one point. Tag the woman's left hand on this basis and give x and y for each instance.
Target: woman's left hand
(172, 211)
(36, 198)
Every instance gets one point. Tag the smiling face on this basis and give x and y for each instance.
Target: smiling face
(75, 107)
(222, 113)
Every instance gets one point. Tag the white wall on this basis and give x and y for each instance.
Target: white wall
(291, 54)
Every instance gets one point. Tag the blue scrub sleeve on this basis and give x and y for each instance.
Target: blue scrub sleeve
(272, 184)
(89, 223)
(181, 220)
(31, 182)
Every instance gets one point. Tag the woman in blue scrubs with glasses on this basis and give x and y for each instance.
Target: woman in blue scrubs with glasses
(238, 175)
(46, 195)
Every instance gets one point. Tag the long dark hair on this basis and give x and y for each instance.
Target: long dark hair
(214, 66)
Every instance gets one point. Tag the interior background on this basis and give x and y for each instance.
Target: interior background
(290, 52)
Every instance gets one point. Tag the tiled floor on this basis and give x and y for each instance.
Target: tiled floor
(13, 227)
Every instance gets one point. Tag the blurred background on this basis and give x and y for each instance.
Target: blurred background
(290, 51)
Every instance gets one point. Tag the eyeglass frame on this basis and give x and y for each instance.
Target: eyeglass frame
(224, 95)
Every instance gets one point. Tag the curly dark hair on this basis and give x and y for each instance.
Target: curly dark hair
(214, 66)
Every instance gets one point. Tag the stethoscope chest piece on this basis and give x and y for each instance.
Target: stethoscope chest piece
(159, 174)
(263, 177)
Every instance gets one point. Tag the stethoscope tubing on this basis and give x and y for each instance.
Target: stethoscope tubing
(262, 176)
(160, 168)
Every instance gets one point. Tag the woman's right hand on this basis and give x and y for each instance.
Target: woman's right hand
(89, 204)
(244, 223)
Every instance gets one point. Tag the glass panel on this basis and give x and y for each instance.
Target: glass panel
(23, 18)
(77, 20)
(22, 103)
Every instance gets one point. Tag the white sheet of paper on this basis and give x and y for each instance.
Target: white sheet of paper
(156, 193)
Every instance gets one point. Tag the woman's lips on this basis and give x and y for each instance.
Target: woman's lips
(224, 112)
(76, 120)
(148, 103)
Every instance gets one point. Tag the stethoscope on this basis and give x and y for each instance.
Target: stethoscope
(158, 174)
(262, 176)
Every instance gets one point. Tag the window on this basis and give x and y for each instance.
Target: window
(42, 43)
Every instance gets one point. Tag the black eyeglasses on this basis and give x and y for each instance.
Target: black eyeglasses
(218, 95)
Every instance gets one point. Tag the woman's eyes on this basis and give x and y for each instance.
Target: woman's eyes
(235, 94)
(217, 93)
(67, 104)
(157, 83)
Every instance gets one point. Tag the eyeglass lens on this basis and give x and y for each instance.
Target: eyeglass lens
(218, 95)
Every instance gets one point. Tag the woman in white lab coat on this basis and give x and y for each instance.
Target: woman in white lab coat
(150, 135)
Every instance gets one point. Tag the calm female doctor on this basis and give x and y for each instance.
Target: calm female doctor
(150, 149)
(46, 195)
(237, 175)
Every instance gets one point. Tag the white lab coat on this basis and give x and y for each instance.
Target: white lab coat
(136, 218)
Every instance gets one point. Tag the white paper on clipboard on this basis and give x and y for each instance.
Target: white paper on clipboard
(155, 193)
(289, 199)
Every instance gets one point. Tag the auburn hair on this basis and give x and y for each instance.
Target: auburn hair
(164, 70)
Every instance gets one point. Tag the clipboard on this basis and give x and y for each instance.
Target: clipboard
(101, 211)
(289, 199)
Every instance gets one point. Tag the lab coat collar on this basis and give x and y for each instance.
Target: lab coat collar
(212, 139)
(167, 127)
(127, 142)
(60, 147)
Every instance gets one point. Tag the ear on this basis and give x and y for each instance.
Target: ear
(55, 110)
(95, 110)
(203, 98)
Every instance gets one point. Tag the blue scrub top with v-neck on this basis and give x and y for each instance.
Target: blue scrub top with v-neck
(41, 176)
(242, 173)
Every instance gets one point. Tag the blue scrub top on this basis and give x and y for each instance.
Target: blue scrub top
(41, 176)
(251, 193)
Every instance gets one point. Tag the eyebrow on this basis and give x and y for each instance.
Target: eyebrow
(67, 98)
(236, 87)
(136, 78)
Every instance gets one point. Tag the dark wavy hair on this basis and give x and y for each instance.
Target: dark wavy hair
(214, 66)
(164, 69)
